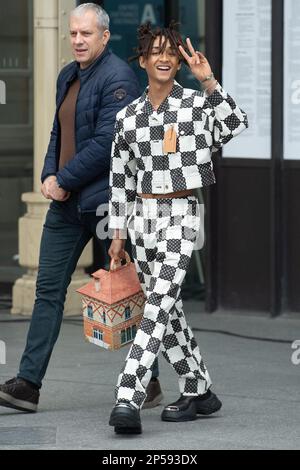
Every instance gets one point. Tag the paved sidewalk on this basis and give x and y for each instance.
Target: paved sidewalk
(255, 379)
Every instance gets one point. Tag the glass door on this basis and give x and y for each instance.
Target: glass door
(16, 125)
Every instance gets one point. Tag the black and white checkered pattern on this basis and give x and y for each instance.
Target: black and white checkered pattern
(163, 233)
(139, 165)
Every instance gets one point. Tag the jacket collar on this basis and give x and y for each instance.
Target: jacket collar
(84, 74)
(173, 101)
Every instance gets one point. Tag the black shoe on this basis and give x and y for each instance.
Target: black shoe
(126, 419)
(208, 403)
(154, 394)
(187, 408)
(17, 393)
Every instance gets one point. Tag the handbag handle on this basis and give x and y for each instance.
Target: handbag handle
(113, 265)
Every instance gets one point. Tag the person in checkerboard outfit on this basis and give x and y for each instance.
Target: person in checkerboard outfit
(162, 150)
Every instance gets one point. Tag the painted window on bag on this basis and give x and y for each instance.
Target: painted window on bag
(123, 337)
(98, 334)
(127, 313)
(90, 311)
(128, 334)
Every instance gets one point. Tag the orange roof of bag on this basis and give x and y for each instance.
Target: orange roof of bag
(114, 285)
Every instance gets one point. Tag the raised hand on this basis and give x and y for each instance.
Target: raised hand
(197, 62)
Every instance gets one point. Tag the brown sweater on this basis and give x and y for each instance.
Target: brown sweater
(66, 118)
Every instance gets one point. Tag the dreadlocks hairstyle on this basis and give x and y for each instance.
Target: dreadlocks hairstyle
(147, 36)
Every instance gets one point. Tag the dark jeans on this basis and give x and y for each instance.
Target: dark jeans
(66, 232)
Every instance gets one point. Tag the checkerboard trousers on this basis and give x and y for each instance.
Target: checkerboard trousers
(163, 234)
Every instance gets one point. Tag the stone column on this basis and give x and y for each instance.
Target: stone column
(50, 54)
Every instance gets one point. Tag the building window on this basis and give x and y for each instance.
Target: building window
(90, 311)
(133, 331)
(127, 313)
(16, 69)
(104, 318)
(98, 334)
(16, 122)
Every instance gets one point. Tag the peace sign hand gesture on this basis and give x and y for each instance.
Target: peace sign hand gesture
(197, 62)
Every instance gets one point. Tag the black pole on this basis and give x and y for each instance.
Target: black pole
(171, 11)
(98, 2)
(213, 52)
(276, 186)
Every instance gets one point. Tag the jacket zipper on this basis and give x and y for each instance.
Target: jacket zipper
(75, 121)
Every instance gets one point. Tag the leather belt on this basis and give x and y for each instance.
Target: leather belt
(186, 192)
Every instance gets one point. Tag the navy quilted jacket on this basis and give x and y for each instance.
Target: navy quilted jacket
(106, 86)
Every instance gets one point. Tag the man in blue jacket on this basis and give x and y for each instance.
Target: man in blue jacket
(90, 92)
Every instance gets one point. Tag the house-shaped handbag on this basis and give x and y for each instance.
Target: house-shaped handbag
(113, 305)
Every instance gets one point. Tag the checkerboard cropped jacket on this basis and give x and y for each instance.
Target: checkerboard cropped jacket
(138, 164)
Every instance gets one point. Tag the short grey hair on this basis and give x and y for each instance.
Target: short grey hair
(102, 16)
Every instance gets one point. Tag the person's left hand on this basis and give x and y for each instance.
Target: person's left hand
(51, 190)
(197, 62)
